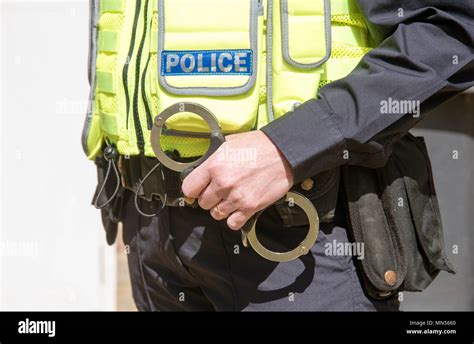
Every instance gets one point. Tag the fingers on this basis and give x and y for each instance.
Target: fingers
(222, 210)
(238, 219)
(215, 197)
(196, 182)
(211, 196)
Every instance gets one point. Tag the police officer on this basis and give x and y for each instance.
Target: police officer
(335, 90)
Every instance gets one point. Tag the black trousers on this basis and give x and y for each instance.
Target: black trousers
(184, 260)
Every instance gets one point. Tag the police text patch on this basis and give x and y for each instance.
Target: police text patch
(206, 62)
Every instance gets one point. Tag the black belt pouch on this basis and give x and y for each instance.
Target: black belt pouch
(394, 212)
(111, 214)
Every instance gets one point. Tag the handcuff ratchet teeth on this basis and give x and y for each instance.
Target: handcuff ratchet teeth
(249, 232)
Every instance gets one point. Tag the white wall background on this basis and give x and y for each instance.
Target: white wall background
(52, 247)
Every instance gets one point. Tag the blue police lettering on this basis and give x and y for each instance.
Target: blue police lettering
(239, 62)
(209, 62)
(222, 58)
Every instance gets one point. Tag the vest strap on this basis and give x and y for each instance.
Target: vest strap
(111, 6)
(108, 41)
(298, 17)
(105, 82)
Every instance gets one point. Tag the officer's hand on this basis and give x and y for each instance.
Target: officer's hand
(245, 175)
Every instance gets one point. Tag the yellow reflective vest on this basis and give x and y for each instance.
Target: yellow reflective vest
(248, 61)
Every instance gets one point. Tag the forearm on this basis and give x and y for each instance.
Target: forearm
(428, 49)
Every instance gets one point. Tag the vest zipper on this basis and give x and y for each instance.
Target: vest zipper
(129, 59)
(149, 117)
(136, 114)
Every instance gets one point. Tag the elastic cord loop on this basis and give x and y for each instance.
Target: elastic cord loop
(110, 166)
(140, 185)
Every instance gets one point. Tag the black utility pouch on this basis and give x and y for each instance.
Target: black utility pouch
(112, 213)
(394, 212)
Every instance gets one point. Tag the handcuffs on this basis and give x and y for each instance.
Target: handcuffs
(249, 231)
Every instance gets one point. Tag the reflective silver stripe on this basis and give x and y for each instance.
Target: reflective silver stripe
(271, 115)
(261, 9)
(285, 36)
(93, 31)
(210, 91)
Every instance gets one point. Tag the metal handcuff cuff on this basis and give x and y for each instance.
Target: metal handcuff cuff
(249, 234)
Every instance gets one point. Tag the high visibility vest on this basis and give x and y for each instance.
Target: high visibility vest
(248, 61)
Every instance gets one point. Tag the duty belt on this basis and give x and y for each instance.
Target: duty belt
(159, 182)
(184, 168)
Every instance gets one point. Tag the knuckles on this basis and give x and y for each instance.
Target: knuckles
(249, 205)
(223, 182)
(202, 204)
(226, 183)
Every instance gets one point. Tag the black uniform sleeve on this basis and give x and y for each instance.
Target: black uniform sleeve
(425, 54)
